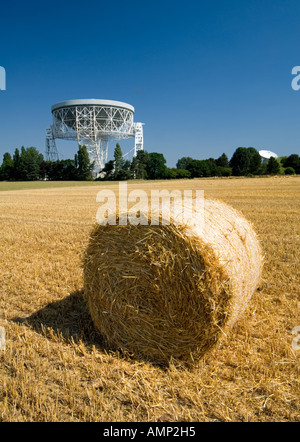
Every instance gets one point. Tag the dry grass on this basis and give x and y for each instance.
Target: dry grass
(55, 366)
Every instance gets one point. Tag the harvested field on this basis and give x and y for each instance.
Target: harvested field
(55, 366)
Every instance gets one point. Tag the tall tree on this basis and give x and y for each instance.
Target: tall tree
(23, 170)
(45, 170)
(184, 162)
(240, 162)
(139, 165)
(273, 166)
(156, 166)
(222, 161)
(212, 167)
(133, 167)
(30, 161)
(84, 166)
(17, 173)
(199, 168)
(124, 172)
(7, 167)
(118, 156)
(254, 159)
(293, 161)
(107, 173)
(245, 160)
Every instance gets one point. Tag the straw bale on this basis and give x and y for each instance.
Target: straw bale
(169, 292)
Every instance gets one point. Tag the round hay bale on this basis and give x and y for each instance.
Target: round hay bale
(166, 292)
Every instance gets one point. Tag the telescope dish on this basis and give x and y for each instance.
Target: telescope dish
(267, 154)
(93, 122)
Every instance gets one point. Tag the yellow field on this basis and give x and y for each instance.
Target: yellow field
(55, 366)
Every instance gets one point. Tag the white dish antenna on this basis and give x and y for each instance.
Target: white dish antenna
(267, 154)
(94, 123)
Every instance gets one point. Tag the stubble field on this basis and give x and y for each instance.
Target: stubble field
(55, 366)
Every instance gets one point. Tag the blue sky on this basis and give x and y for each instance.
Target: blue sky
(204, 76)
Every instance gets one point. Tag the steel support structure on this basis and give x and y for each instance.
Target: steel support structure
(94, 123)
(139, 137)
(51, 150)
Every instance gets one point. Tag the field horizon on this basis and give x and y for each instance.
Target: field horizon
(44, 184)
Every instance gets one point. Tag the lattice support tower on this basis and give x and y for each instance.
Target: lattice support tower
(94, 123)
(51, 150)
(139, 138)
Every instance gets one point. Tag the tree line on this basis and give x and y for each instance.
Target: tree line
(246, 161)
(28, 165)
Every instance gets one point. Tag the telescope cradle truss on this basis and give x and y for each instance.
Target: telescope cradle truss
(93, 123)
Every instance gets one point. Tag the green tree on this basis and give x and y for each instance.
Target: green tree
(255, 160)
(156, 166)
(184, 162)
(84, 166)
(22, 164)
(224, 171)
(273, 166)
(199, 168)
(56, 171)
(107, 173)
(29, 163)
(76, 160)
(139, 167)
(118, 156)
(240, 162)
(124, 171)
(292, 161)
(289, 171)
(7, 167)
(61, 170)
(222, 161)
(45, 168)
(182, 173)
(133, 167)
(212, 167)
(171, 174)
(69, 170)
(262, 170)
(17, 173)
(282, 160)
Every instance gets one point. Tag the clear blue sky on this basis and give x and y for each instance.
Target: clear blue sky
(204, 76)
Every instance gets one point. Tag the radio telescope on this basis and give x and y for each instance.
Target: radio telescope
(266, 155)
(93, 123)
